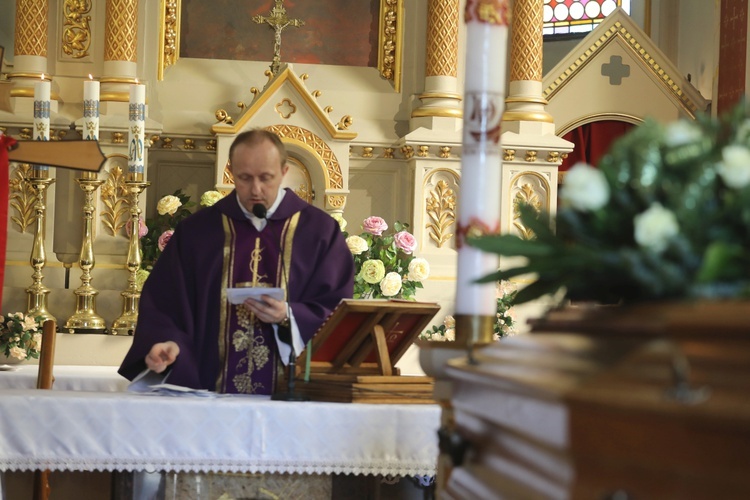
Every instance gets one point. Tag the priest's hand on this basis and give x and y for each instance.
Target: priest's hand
(268, 310)
(162, 355)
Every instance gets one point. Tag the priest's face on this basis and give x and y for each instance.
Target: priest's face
(257, 172)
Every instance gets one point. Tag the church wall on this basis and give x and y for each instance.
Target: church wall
(183, 106)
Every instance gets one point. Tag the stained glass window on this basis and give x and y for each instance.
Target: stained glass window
(566, 17)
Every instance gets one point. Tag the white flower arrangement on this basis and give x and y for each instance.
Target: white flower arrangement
(385, 265)
(666, 216)
(20, 336)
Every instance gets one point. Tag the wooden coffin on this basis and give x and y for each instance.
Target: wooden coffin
(650, 402)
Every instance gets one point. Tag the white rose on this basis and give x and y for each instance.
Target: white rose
(17, 352)
(681, 132)
(743, 132)
(449, 321)
(585, 188)
(391, 284)
(655, 227)
(356, 244)
(36, 341)
(340, 219)
(450, 334)
(168, 205)
(209, 198)
(419, 269)
(28, 323)
(735, 167)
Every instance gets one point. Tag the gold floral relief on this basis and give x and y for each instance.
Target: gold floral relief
(114, 193)
(76, 36)
(22, 197)
(441, 211)
(525, 195)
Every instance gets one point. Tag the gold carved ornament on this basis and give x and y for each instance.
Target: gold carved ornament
(336, 200)
(22, 198)
(528, 196)
(169, 39)
(441, 209)
(526, 42)
(114, 197)
(322, 150)
(76, 37)
(487, 11)
(390, 41)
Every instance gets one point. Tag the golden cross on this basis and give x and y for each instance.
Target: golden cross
(278, 20)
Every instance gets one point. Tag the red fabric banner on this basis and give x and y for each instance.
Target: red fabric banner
(5, 144)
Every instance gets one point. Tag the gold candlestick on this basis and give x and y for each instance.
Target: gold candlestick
(85, 319)
(37, 292)
(125, 324)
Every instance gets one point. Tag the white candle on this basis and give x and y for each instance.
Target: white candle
(90, 109)
(41, 115)
(479, 206)
(136, 131)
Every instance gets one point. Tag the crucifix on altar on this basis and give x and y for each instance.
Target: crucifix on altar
(278, 20)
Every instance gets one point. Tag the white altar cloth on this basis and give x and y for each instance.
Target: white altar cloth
(87, 431)
(67, 378)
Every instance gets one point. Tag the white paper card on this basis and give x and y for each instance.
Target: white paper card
(238, 295)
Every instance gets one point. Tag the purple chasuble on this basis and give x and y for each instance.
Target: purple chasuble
(184, 298)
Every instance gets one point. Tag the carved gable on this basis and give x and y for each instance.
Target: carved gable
(618, 73)
(315, 143)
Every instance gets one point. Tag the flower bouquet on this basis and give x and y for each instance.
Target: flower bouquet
(20, 336)
(171, 209)
(665, 216)
(385, 265)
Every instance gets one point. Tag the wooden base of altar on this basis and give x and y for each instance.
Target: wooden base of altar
(647, 402)
(368, 388)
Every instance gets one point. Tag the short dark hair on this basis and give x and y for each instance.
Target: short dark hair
(257, 136)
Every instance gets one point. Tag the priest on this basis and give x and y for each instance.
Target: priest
(260, 235)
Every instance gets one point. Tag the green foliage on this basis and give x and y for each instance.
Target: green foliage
(595, 254)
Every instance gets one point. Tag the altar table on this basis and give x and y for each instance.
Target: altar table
(98, 431)
(67, 378)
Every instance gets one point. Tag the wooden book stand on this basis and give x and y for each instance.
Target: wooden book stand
(354, 353)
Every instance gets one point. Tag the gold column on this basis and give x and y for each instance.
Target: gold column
(120, 44)
(525, 101)
(30, 46)
(532, 151)
(440, 97)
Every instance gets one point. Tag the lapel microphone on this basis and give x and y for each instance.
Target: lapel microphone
(259, 210)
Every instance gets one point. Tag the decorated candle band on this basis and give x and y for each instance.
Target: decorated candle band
(136, 132)
(41, 119)
(91, 110)
(487, 33)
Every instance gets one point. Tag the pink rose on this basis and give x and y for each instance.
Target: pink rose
(164, 239)
(405, 241)
(374, 225)
(142, 228)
